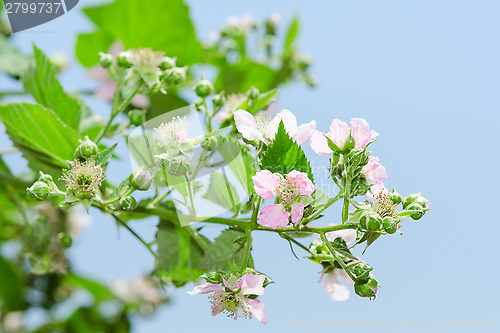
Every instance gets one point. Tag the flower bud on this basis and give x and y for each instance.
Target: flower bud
(362, 272)
(141, 180)
(65, 239)
(395, 197)
(390, 224)
(218, 100)
(368, 289)
(204, 88)
(105, 59)
(179, 166)
(45, 178)
(200, 106)
(39, 190)
(419, 212)
(128, 203)
(253, 93)
(357, 157)
(136, 116)
(422, 201)
(124, 59)
(410, 199)
(167, 63)
(210, 144)
(86, 149)
(176, 75)
(212, 277)
(370, 221)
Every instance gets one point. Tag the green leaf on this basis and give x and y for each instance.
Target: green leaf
(100, 292)
(284, 155)
(163, 25)
(292, 33)
(11, 288)
(103, 156)
(222, 192)
(261, 103)
(41, 82)
(341, 248)
(39, 133)
(162, 103)
(11, 60)
(225, 253)
(179, 254)
(235, 78)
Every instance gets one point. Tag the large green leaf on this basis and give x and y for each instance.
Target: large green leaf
(225, 254)
(11, 60)
(179, 254)
(41, 82)
(162, 25)
(240, 77)
(11, 288)
(222, 192)
(284, 155)
(39, 133)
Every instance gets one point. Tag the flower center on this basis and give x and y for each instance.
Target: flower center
(234, 305)
(288, 189)
(262, 121)
(385, 206)
(170, 131)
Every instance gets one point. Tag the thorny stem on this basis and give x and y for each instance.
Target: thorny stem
(336, 256)
(247, 250)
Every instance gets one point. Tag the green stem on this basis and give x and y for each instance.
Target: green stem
(190, 196)
(293, 240)
(247, 250)
(320, 210)
(347, 191)
(123, 223)
(161, 197)
(336, 256)
(256, 209)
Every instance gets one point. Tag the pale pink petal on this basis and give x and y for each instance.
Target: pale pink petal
(289, 121)
(376, 189)
(140, 101)
(343, 274)
(264, 183)
(106, 91)
(252, 284)
(205, 288)
(274, 216)
(374, 171)
(306, 185)
(297, 212)
(349, 235)
(319, 143)
(360, 131)
(334, 289)
(181, 136)
(258, 309)
(221, 116)
(246, 125)
(235, 287)
(339, 131)
(304, 132)
(373, 134)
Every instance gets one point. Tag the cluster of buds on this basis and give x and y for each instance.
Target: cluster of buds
(235, 293)
(43, 187)
(155, 70)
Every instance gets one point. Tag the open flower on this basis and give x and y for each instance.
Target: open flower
(291, 193)
(375, 174)
(339, 132)
(330, 281)
(146, 63)
(174, 131)
(234, 299)
(265, 129)
(84, 178)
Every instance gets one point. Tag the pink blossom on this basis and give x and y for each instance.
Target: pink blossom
(236, 302)
(265, 129)
(268, 186)
(375, 174)
(339, 132)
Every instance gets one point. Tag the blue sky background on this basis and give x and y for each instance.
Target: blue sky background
(426, 76)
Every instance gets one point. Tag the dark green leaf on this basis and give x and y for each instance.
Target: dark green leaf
(103, 156)
(284, 155)
(11, 288)
(225, 253)
(240, 77)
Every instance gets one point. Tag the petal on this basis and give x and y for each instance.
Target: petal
(140, 101)
(181, 136)
(360, 132)
(235, 287)
(246, 125)
(297, 212)
(258, 309)
(221, 116)
(289, 121)
(273, 216)
(349, 235)
(334, 289)
(339, 131)
(319, 143)
(264, 183)
(306, 185)
(205, 288)
(304, 132)
(252, 284)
